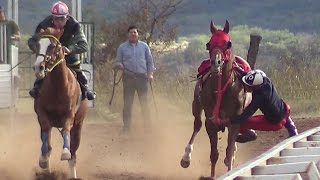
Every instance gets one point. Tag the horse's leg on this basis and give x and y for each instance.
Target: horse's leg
(233, 131)
(213, 136)
(44, 160)
(66, 154)
(76, 136)
(196, 111)
(75, 142)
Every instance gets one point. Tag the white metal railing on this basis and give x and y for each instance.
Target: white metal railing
(8, 76)
(88, 30)
(295, 155)
(87, 58)
(3, 43)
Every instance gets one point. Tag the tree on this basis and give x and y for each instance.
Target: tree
(150, 16)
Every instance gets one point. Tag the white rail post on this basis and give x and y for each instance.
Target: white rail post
(13, 10)
(77, 10)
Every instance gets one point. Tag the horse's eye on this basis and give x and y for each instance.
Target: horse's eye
(208, 46)
(229, 44)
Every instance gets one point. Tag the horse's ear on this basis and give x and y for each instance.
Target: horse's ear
(213, 29)
(226, 27)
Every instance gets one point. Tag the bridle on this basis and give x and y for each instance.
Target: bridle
(217, 64)
(51, 61)
(220, 60)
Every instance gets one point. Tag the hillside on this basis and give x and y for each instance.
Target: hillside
(193, 16)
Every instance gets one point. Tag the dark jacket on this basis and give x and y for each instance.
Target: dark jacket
(72, 37)
(267, 100)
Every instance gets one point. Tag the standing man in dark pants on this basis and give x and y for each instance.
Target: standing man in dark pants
(135, 59)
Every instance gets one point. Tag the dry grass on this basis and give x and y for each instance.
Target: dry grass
(297, 82)
(300, 88)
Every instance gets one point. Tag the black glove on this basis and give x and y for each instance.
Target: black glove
(32, 43)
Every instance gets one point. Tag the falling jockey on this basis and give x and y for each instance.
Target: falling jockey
(276, 113)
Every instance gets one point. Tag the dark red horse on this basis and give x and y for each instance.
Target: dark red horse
(60, 103)
(221, 95)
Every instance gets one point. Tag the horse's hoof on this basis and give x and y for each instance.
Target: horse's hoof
(66, 155)
(44, 162)
(184, 164)
(225, 161)
(206, 178)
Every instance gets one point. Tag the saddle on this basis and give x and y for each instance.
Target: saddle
(241, 67)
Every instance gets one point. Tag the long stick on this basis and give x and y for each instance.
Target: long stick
(114, 85)
(154, 99)
(16, 65)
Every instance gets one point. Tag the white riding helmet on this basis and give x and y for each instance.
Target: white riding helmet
(59, 9)
(254, 78)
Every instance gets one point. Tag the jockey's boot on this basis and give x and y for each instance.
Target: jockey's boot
(34, 92)
(249, 135)
(82, 79)
(291, 127)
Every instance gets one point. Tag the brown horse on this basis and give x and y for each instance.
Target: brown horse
(59, 103)
(221, 95)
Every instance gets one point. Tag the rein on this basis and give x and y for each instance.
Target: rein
(220, 92)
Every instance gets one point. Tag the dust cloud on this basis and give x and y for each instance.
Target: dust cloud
(105, 152)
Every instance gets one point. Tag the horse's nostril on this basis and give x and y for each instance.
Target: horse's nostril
(41, 68)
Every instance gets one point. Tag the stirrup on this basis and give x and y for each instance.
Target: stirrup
(246, 137)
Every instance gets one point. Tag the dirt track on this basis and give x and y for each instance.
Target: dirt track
(105, 153)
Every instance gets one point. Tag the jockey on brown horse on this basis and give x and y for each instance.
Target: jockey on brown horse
(60, 103)
(74, 41)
